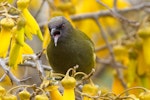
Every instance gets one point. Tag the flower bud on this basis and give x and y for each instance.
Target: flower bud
(22, 4)
(41, 97)
(24, 95)
(68, 82)
(7, 23)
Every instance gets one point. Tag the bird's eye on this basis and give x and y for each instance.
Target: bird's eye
(61, 26)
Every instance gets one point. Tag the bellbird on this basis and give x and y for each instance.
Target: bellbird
(69, 47)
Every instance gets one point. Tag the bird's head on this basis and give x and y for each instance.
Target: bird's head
(59, 27)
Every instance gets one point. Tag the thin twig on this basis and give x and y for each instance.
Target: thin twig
(39, 10)
(115, 4)
(48, 68)
(113, 62)
(121, 78)
(117, 15)
(129, 89)
(123, 38)
(101, 13)
(32, 64)
(103, 61)
(12, 77)
(31, 60)
(25, 79)
(51, 4)
(5, 10)
(9, 73)
(40, 68)
(105, 39)
(37, 61)
(127, 98)
(87, 95)
(2, 78)
(104, 13)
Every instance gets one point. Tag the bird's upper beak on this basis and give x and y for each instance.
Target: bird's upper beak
(55, 34)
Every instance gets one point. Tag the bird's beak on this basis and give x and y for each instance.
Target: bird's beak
(55, 34)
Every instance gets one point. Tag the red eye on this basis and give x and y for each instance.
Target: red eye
(62, 25)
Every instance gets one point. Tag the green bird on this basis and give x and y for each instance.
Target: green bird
(69, 47)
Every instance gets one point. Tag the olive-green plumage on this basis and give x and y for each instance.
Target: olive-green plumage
(69, 47)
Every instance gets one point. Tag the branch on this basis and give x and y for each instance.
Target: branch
(113, 62)
(107, 12)
(1, 79)
(35, 58)
(8, 72)
(31, 60)
(105, 39)
(39, 10)
(114, 12)
(32, 64)
(115, 42)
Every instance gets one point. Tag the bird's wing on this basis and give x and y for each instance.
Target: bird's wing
(83, 35)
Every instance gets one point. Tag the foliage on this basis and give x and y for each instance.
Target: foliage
(89, 91)
(119, 29)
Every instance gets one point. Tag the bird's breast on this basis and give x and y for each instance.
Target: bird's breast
(68, 54)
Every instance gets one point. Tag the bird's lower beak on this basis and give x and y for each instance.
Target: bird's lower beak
(55, 34)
